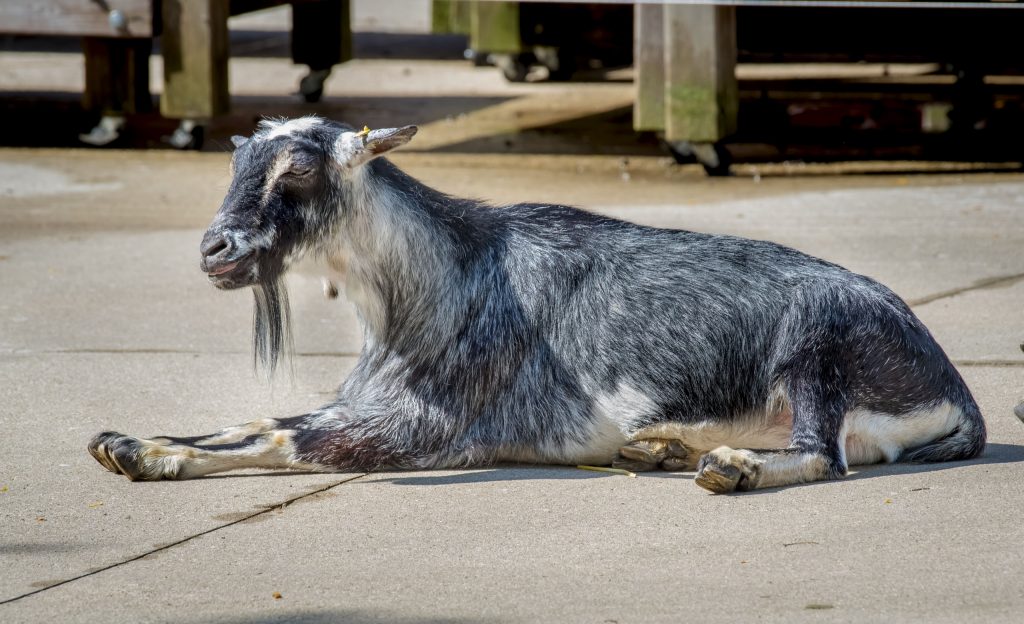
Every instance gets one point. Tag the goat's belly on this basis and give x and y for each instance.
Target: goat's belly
(599, 446)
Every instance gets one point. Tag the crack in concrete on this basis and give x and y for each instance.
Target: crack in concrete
(269, 508)
(982, 284)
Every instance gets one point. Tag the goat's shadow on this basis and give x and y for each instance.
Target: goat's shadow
(995, 453)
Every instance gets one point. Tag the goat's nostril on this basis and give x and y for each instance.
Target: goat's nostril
(212, 248)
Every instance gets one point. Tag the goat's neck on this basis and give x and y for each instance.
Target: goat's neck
(395, 255)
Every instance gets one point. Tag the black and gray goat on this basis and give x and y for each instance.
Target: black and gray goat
(546, 334)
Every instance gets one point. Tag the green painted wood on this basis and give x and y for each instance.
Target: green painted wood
(649, 67)
(195, 52)
(701, 93)
(494, 27)
(451, 17)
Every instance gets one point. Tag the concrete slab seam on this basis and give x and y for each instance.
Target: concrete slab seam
(268, 509)
(982, 284)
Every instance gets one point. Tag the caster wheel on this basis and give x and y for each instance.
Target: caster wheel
(311, 87)
(714, 157)
(560, 62)
(716, 160)
(514, 67)
(108, 130)
(478, 59)
(189, 135)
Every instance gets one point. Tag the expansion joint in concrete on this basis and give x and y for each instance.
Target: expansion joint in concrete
(269, 508)
(998, 281)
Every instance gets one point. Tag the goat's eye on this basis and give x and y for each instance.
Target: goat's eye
(300, 172)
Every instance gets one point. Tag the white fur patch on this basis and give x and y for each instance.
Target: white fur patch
(291, 127)
(612, 413)
(274, 450)
(872, 437)
(282, 164)
(239, 432)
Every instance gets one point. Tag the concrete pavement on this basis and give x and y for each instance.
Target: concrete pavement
(106, 322)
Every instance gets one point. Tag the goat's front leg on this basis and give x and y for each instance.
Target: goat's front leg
(142, 459)
(268, 443)
(813, 454)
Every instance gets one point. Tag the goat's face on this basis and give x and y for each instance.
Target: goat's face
(290, 181)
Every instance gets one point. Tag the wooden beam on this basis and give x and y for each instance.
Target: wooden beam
(649, 64)
(701, 94)
(450, 17)
(195, 52)
(494, 27)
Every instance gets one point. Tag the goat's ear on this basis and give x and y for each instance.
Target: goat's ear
(238, 141)
(355, 148)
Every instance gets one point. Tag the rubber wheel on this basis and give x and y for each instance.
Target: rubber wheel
(313, 96)
(723, 166)
(566, 67)
(515, 70)
(718, 166)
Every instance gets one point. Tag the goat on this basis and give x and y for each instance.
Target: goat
(548, 334)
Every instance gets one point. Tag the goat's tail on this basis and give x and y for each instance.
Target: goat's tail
(966, 441)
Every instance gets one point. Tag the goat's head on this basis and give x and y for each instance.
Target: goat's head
(290, 184)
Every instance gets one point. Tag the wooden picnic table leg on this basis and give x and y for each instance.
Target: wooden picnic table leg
(495, 33)
(321, 38)
(194, 46)
(701, 93)
(649, 64)
(116, 84)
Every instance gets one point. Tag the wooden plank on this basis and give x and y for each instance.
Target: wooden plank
(76, 17)
(494, 27)
(451, 17)
(195, 51)
(649, 64)
(701, 94)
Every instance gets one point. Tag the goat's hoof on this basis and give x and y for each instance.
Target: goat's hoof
(678, 464)
(98, 449)
(725, 470)
(117, 453)
(667, 454)
(632, 465)
(647, 451)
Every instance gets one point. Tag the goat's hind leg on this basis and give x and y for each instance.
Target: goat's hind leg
(266, 443)
(653, 453)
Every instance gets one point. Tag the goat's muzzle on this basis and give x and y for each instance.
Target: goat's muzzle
(225, 264)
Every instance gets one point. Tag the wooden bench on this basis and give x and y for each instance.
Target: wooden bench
(117, 38)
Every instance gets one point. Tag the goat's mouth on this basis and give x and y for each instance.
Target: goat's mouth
(233, 274)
